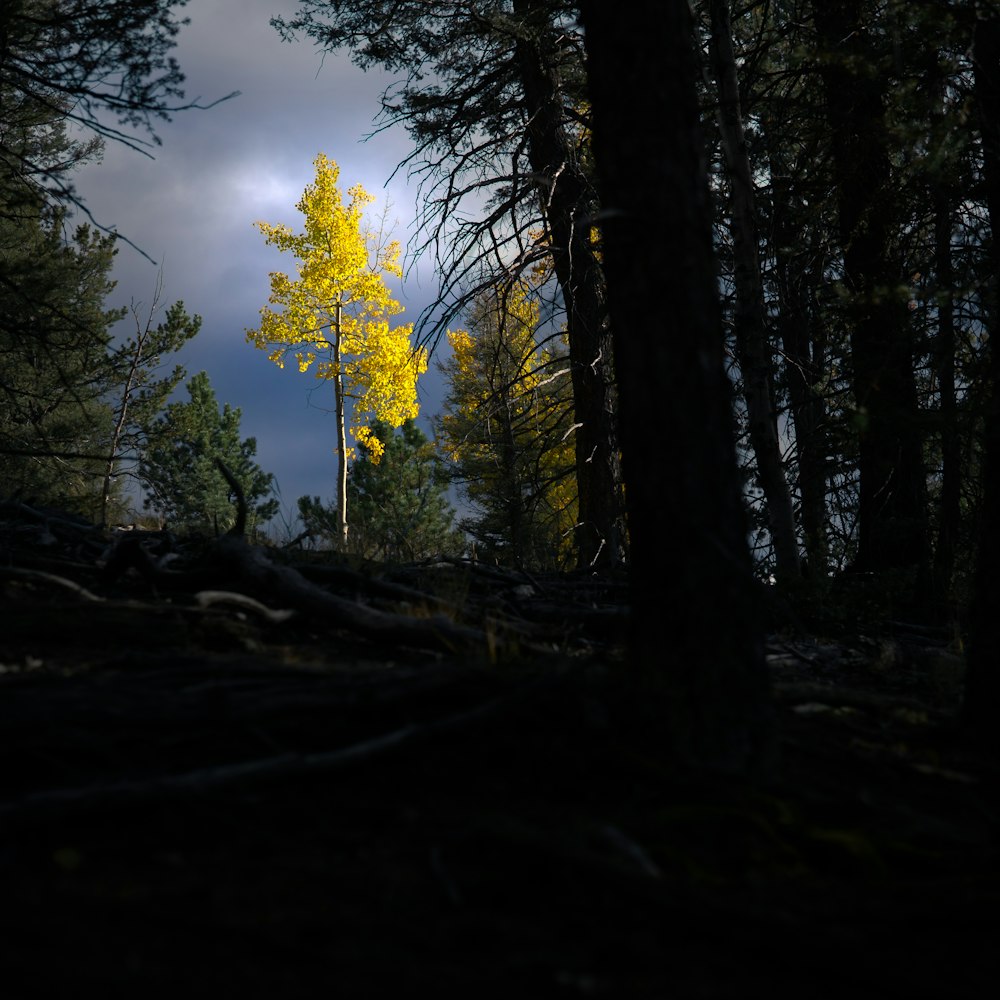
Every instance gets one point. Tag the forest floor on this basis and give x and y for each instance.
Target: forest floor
(201, 795)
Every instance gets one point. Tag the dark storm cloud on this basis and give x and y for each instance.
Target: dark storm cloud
(192, 210)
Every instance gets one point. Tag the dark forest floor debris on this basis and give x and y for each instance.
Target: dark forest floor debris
(198, 790)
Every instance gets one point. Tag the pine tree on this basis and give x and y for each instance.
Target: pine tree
(139, 395)
(106, 67)
(399, 505)
(89, 64)
(54, 337)
(178, 467)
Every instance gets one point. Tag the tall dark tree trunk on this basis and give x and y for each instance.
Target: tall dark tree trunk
(804, 343)
(691, 581)
(982, 688)
(567, 203)
(805, 356)
(892, 514)
(753, 350)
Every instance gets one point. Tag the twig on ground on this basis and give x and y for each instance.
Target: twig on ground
(207, 598)
(38, 576)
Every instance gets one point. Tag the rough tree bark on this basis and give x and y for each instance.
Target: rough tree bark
(753, 349)
(690, 573)
(892, 512)
(566, 198)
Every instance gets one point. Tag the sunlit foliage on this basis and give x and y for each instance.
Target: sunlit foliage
(507, 427)
(335, 316)
(399, 506)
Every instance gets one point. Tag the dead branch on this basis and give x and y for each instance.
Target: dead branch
(239, 528)
(271, 582)
(207, 598)
(38, 576)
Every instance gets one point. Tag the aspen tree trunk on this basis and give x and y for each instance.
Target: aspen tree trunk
(752, 345)
(338, 396)
(982, 687)
(696, 641)
(566, 200)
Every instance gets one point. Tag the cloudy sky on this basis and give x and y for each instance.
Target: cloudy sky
(192, 209)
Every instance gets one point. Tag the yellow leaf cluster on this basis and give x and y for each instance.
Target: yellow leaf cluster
(334, 317)
(507, 418)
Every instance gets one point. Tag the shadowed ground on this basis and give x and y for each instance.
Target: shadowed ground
(202, 798)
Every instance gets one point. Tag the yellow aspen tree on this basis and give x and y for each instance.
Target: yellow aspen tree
(335, 318)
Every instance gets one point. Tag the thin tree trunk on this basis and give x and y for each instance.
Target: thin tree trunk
(804, 347)
(696, 637)
(567, 200)
(338, 396)
(754, 352)
(116, 436)
(892, 515)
